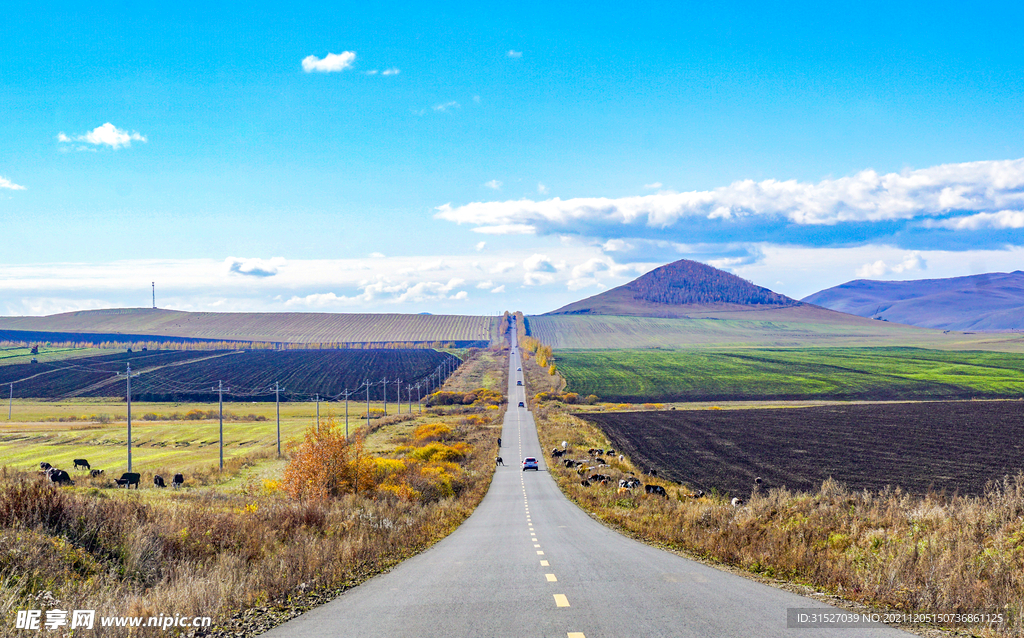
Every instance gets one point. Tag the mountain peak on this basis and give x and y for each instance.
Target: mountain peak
(683, 283)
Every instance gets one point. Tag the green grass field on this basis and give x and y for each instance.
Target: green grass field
(36, 433)
(15, 354)
(803, 373)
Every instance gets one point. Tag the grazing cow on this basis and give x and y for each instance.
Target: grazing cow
(621, 458)
(555, 453)
(759, 481)
(95, 473)
(585, 483)
(629, 483)
(610, 452)
(624, 491)
(44, 466)
(569, 463)
(498, 461)
(179, 480)
(600, 461)
(60, 477)
(158, 480)
(655, 489)
(651, 472)
(128, 479)
(736, 502)
(565, 445)
(82, 463)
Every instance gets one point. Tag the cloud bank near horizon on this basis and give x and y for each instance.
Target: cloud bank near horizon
(909, 209)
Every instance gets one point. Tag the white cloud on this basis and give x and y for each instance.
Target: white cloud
(376, 255)
(447, 106)
(542, 189)
(484, 285)
(616, 245)
(330, 63)
(506, 229)
(500, 289)
(1001, 220)
(371, 72)
(503, 267)
(8, 184)
(480, 245)
(106, 135)
(254, 267)
(391, 71)
(986, 186)
(880, 268)
(494, 185)
(654, 185)
(514, 54)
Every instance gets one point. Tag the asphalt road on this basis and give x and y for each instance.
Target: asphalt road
(528, 562)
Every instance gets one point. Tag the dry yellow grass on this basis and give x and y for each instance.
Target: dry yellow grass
(890, 550)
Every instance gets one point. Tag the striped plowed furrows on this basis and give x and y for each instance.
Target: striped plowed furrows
(956, 446)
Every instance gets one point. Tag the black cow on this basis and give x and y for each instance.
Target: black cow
(178, 481)
(569, 463)
(158, 481)
(585, 483)
(498, 461)
(651, 472)
(44, 466)
(128, 479)
(81, 463)
(655, 489)
(60, 477)
(95, 473)
(555, 453)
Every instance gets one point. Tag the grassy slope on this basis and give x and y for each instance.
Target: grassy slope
(783, 328)
(277, 327)
(840, 373)
(33, 436)
(11, 355)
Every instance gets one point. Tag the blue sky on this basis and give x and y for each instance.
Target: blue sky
(461, 158)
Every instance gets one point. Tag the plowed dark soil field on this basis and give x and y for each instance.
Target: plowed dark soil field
(954, 446)
(249, 375)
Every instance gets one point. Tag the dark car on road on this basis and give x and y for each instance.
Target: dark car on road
(522, 405)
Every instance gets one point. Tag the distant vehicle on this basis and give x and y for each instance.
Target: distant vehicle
(519, 383)
(519, 369)
(530, 463)
(522, 405)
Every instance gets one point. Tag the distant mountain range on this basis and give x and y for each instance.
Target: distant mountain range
(989, 302)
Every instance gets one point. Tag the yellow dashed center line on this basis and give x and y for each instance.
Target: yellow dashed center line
(535, 545)
(551, 578)
(540, 553)
(561, 600)
(544, 563)
(575, 634)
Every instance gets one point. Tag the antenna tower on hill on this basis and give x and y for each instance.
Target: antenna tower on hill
(154, 295)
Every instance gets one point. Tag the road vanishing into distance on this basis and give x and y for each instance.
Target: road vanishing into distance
(530, 563)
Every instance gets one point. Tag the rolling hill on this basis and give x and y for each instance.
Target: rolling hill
(687, 304)
(285, 327)
(989, 302)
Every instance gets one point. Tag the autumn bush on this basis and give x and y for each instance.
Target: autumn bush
(477, 397)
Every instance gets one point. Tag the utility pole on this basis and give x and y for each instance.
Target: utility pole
(277, 398)
(128, 376)
(384, 384)
(398, 394)
(318, 413)
(220, 395)
(367, 382)
(10, 403)
(154, 295)
(347, 392)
